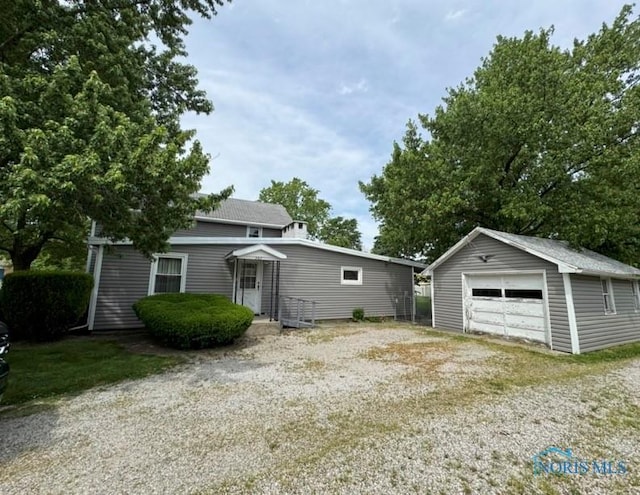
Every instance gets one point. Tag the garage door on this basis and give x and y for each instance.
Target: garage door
(510, 305)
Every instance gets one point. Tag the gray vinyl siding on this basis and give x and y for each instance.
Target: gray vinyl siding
(124, 279)
(447, 284)
(307, 273)
(315, 274)
(597, 330)
(213, 229)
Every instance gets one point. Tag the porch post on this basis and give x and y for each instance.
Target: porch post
(271, 314)
(244, 268)
(278, 288)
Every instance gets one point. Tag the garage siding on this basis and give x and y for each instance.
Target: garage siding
(447, 280)
(597, 330)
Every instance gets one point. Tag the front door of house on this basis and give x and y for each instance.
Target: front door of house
(249, 285)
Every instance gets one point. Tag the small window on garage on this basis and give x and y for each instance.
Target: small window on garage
(523, 293)
(351, 275)
(607, 296)
(635, 289)
(487, 292)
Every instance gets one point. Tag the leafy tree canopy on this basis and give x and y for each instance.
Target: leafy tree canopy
(91, 93)
(343, 232)
(302, 203)
(539, 141)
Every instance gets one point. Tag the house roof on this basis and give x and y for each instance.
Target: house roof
(246, 212)
(257, 252)
(560, 253)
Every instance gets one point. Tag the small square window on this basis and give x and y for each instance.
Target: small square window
(351, 275)
(254, 231)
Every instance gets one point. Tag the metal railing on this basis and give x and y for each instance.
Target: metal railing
(295, 312)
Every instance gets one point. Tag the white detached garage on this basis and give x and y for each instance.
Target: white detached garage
(573, 300)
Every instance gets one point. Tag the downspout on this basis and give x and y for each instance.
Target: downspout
(93, 302)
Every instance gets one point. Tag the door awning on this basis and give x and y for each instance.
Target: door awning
(258, 252)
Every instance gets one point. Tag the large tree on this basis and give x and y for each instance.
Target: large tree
(303, 203)
(540, 141)
(343, 232)
(91, 93)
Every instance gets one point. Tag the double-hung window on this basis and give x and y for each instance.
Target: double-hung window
(168, 273)
(607, 296)
(635, 289)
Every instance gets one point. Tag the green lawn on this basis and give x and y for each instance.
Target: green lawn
(72, 365)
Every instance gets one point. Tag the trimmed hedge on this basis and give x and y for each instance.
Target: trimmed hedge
(42, 305)
(193, 321)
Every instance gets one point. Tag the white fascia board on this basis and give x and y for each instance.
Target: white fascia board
(562, 267)
(201, 218)
(451, 251)
(256, 249)
(283, 241)
(571, 314)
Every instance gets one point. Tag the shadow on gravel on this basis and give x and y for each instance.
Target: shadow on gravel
(26, 428)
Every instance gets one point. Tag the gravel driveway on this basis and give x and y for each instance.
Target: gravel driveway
(350, 409)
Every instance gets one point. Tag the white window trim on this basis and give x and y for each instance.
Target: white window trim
(154, 270)
(249, 227)
(351, 282)
(611, 311)
(635, 288)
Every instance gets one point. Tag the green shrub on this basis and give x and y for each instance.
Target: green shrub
(193, 321)
(358, 314)
(41, 305)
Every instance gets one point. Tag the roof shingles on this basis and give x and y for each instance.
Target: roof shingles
(249, 212)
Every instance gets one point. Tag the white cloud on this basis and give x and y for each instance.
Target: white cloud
(453, 15)
(359, 87)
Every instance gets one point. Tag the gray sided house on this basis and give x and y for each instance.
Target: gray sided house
(255, 254)
(574, 300)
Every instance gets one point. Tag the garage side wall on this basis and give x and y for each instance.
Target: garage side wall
(597, 330)
(447, 280)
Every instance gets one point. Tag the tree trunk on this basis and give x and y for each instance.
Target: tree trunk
(22, 261)
(22, 256)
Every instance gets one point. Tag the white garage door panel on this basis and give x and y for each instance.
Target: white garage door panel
(522, 282)
(516, 317)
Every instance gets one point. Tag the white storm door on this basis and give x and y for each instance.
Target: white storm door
(249, 285)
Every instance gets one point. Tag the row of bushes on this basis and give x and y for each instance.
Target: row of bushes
(193, 321)
(42, 305)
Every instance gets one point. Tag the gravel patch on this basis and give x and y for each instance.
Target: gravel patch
(350, 410)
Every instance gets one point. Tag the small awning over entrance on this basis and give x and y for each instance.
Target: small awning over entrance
(257, 252)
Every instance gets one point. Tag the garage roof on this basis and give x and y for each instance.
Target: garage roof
(560, 253)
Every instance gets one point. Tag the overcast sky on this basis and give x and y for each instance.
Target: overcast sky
(320, 90)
